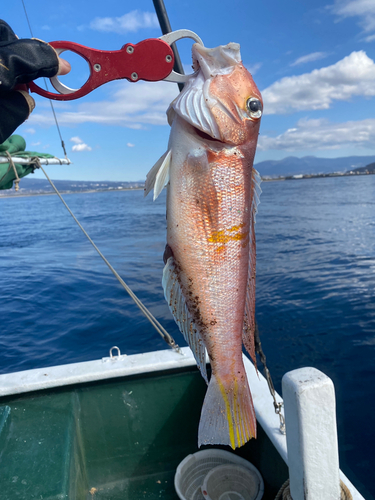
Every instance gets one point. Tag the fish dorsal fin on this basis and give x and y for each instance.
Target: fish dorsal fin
(177, 305)
(249, 317)
(158, 176)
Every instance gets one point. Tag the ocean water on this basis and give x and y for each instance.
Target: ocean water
(59, 303)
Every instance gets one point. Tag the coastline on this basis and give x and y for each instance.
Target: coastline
(298, 177)
(88, 191)
(116, 190)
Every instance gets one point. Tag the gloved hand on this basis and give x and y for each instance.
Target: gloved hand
(21, 61)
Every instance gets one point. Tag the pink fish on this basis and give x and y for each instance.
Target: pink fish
(209, 274)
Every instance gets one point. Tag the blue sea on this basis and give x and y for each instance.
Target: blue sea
(59, 303)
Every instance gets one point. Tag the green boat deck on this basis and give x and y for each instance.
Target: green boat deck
(114, 439)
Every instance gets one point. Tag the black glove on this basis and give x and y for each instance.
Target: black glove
(21, 61)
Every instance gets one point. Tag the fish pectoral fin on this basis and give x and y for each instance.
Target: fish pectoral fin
(228, 415)
(178, 307)
(171, 113)
(162, 177)
(158, 176)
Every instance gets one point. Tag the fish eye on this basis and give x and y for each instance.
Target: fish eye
(254, 107)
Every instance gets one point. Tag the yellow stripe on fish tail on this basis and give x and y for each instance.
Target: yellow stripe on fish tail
(238, 418)
(243, 418)
(228, 415)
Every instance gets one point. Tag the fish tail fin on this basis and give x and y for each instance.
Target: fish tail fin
(228, 415)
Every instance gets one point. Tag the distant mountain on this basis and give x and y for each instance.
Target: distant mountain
(311, 165)
(367, 169)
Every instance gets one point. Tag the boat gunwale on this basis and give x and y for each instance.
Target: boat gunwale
(60, 376)
(91, 371)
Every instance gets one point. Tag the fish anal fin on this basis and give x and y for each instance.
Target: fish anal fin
(228, 415)
(178, 307)
(248, 338)
(158, 176)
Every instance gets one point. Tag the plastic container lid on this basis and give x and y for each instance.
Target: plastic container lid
(233, 482)
(192, 471)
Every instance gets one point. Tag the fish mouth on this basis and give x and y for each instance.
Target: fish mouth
(205, 136)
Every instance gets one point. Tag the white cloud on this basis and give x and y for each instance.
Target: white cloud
(130, 145)
(131, 22)
(315, 56)
(81, 147)
(322, 134)
(352, 76)
(76, 140)
(38, 143)
(132, 106)
(364, 9)
(30, 131)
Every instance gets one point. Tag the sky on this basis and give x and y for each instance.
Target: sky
(312, 60)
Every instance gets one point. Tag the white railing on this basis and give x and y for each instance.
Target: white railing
(43, 161)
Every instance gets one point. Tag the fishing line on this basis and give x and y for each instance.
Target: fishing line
(46, 85)
(277, 405)
(155, 323)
